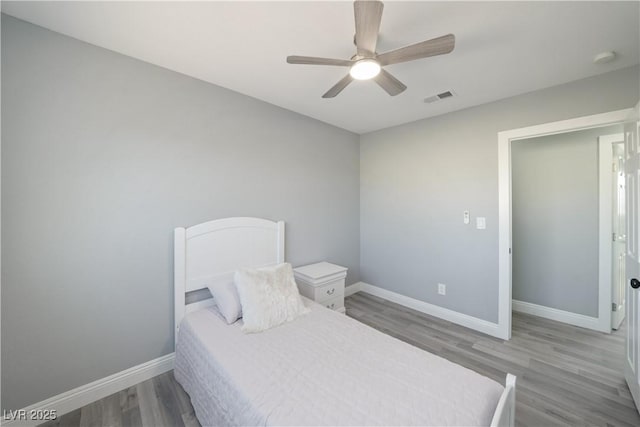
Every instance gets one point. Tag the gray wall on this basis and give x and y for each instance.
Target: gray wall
(102, 156)
(555, 204)
(417, 179)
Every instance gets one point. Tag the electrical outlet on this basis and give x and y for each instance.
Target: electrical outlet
(442, 289)
(466, 217)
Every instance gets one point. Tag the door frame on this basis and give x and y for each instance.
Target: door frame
(504, 207)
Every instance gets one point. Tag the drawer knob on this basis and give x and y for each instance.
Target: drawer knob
(330, 292)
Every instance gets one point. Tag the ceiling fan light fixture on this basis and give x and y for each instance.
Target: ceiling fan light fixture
(365, 69)
(367, 64)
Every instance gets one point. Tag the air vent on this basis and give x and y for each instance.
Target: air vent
(438, 97)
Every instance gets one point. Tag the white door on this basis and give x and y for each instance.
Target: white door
(632, 173)
(619, 245)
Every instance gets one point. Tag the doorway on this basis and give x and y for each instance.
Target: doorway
(562, 224)
(505, 140)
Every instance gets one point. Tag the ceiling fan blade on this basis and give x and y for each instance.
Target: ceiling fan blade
(433, 47)
(337, 88)
(389, 83)
(368, 16)
(311, 60)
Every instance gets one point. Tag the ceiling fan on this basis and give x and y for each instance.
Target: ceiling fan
(367, 63)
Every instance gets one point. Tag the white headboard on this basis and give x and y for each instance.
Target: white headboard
(213, 251)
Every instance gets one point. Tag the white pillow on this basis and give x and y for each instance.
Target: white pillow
(226, 298)
(269, 297)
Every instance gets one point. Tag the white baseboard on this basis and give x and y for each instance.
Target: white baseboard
(352, 289)
(83, 395)
(465, 320)
(557, 315)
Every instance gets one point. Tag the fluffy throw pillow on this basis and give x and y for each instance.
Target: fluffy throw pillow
(227, 300)
(269, 297)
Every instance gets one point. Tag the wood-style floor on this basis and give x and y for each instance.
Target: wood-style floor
(566, 375)
(158, 402)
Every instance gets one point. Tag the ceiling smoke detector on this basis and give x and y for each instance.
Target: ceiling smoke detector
(604, 57)
(439, 97)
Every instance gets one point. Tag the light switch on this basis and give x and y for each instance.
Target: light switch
(481, 223)
(466, 217)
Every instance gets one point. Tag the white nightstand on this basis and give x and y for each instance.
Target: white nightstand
(322, 282)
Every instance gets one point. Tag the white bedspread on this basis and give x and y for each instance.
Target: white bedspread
(322, 369)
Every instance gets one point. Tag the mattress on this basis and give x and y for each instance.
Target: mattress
(324, 368)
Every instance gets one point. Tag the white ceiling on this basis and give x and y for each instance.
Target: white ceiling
(502, 48)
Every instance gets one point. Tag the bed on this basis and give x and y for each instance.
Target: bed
(323, 368)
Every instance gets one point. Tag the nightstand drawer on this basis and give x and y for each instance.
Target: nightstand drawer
(336, 304)
(328, 291)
